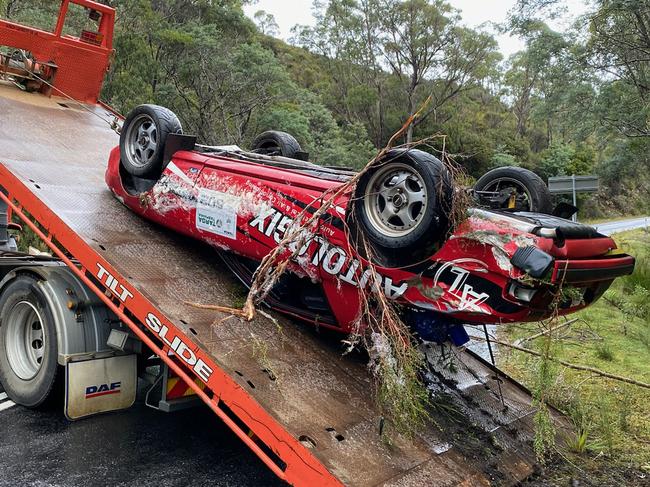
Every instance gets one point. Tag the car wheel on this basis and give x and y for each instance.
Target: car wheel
(529, 191)
(28, 343)
(143, 137)
(276, 143)
(403, 204)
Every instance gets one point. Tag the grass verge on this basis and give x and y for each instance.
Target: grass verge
(612, 419)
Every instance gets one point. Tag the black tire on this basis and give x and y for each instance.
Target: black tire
(20, 296)
(276, 143)
(539, 197)
(424, 175)
(143, 137)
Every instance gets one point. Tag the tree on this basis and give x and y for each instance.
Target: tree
(266, 23)
(601, 99)
(427, 48)
(416, 35)
(41, 14)
(7, 7)
(347, 35)
(307, 118)
(619, 48)
(384, 53)
(616, 52)
(220, 87)
(537, 72)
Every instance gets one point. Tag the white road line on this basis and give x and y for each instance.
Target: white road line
(3, 396)
(6, 405)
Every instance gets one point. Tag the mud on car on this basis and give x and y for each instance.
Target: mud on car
(509, 260)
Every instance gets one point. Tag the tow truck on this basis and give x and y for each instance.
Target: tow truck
(109, 305)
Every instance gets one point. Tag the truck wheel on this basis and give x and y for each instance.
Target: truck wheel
(143, 137)
(276, 143)
(404, 202)
(28, 343)
(531, 194)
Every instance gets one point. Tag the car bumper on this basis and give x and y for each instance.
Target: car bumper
(592, 270)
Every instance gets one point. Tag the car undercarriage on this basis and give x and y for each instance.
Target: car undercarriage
(392, 233)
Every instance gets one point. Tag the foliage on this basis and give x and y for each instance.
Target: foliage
(387, 57)
(500, 159)
(318, 133)
(26, 238)
(580, 443)
(604, 352)
(609, 418)
(402, 396)
(544, 430)
(565, 160)
(573, 102)
(596, 92)
(266, 23)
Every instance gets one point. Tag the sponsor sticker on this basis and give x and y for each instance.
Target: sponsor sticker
(216, 213)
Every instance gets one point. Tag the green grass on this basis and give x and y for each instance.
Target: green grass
(612, 419)
(27, 238)
(604, 352)
(579, 443)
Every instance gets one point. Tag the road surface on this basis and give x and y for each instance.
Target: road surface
(610, 228)
(139, 447)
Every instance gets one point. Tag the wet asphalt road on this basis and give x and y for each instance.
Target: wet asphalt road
(610, 228)
(140, 447)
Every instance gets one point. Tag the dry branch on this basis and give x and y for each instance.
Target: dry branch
(583, 368)
(521, 341)
(222, 309)
(270, 269)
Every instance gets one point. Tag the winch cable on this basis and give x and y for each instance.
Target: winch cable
(113, 124)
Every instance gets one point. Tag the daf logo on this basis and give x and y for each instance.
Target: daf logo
(103, 390)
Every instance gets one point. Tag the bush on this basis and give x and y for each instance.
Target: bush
(565, 160)
(604, 352)
(500, 159)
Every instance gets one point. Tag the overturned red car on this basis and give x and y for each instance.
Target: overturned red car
(498, 265)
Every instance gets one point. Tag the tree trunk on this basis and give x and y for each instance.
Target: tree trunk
(409, 131)
(10, 8)
(379, 136)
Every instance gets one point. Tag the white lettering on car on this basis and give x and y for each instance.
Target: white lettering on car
(258, 221)
(468, 299)
(332, 259)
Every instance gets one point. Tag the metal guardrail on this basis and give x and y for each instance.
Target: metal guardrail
(569, 184)
(573, 185)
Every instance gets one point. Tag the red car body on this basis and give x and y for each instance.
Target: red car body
(243, 205)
